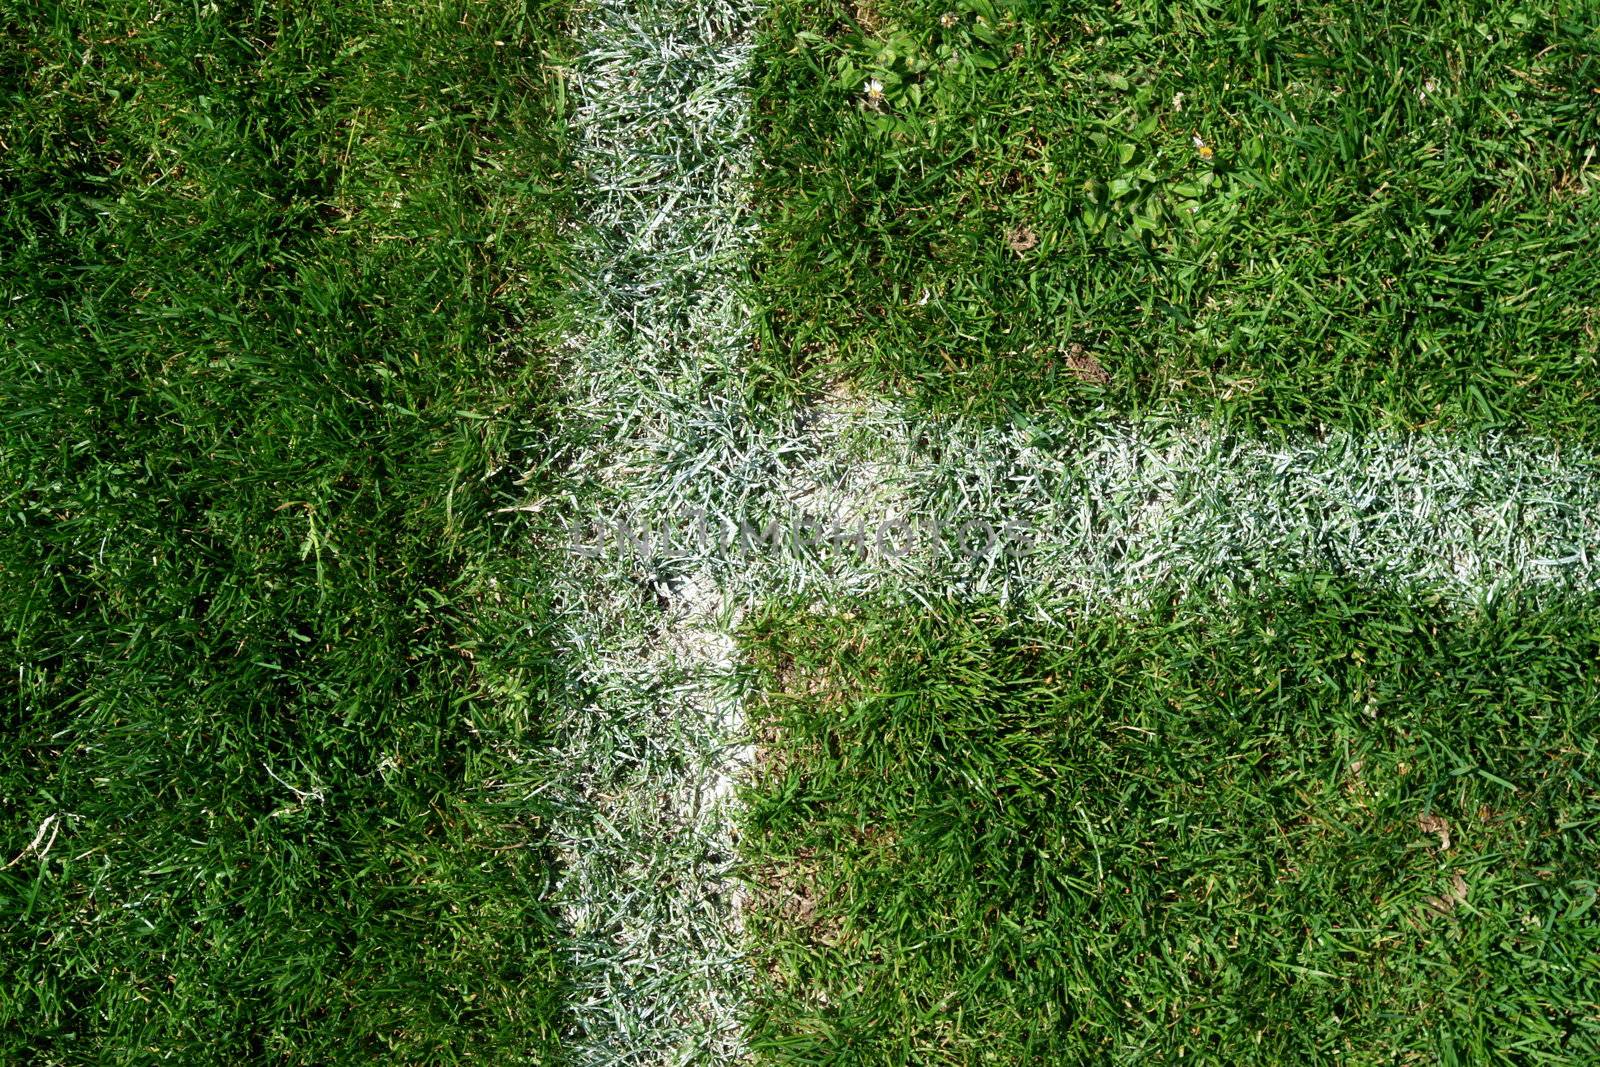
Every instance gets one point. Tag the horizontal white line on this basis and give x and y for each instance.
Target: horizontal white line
(1115, 510)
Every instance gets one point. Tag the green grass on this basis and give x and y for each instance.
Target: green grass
(1202, 835)
(1209, 832)
(1389, 224)
(271, 296)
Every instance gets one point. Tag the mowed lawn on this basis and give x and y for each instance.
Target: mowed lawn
(272, 293)
(279, 288)
(1372, 215)
(1318, 821)
(1326, 825)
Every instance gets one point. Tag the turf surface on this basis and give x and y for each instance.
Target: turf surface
(272, 294)
(278, 285)
(1330, 825)
(1373, 215)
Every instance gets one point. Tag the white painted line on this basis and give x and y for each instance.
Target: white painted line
(662, 435)
(642, 766)
(1105, 513)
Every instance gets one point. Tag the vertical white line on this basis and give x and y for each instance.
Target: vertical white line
(643, 759)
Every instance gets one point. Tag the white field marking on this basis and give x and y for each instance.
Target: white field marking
(661, 431)
(1110, 512)
(644, 754)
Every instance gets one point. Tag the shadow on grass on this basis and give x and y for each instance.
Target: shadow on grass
(272, 302)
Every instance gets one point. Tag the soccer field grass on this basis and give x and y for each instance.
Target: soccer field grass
(1372, 216)
(448, 455)
(1321, 823)
(274, 294)
(1187, 789)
